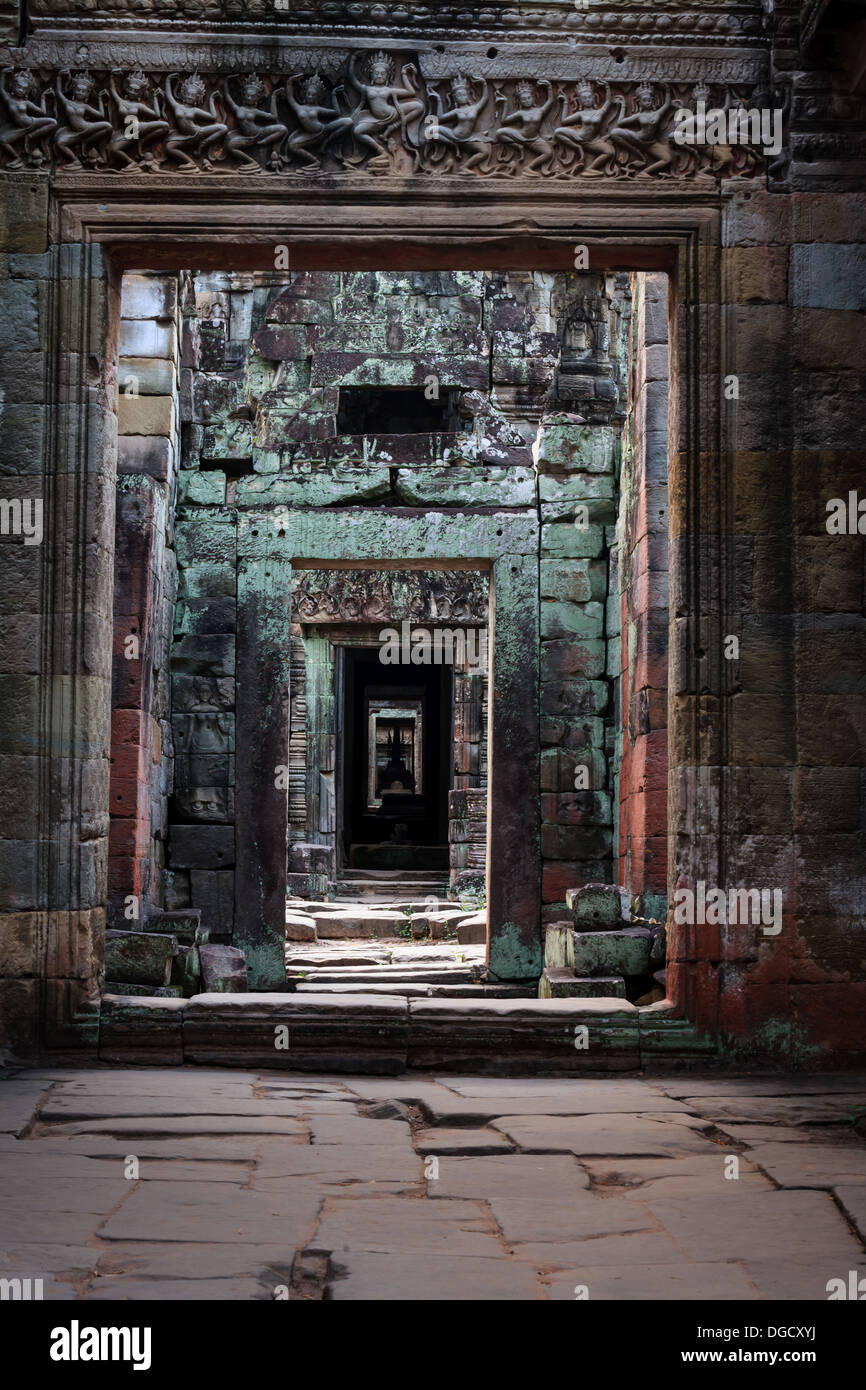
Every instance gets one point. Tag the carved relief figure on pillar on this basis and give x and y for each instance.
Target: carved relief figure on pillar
(198, 127)
(521, 128)
(639, 136)
(255, 128)
(29, 121)
(454, 130)
(142, 124)
(87, 125)
(318, 123)
(384, 106)
(582, 130)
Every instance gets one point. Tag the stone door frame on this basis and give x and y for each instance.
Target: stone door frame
(502, 543)
(100, 225)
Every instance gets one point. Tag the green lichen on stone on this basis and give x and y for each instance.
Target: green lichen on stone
(513, 958)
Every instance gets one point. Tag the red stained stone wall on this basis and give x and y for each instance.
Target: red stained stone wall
(641, 595)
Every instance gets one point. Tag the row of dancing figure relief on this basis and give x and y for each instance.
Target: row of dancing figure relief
(373, 117)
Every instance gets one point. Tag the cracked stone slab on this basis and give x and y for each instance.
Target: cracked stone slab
(804, 1277)
(758, 1226)
(697, 1176)
(398, 1277)
(820, 1084)
(572, 1097)
(108, 1149)
(660, 1135)
(461, 1141)
(551, 1217)
(834, 1136)
(512, 1175)
(45, 1225)
(19, 1098)
(812, 1165)
(628, 1248)
(73, 1263)
(67, 1109)
(181, 1212)
(400, 1225)
(683, 1283)
(853, 1200)
(178, 1290)
(333, 1166)
(356, 1129)
(190, 1260)
(783, 1110)
(197, 1127)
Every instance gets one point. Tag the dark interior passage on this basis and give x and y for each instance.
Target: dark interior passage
(396, 755)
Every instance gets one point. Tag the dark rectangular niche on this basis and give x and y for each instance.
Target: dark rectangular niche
(380, 410)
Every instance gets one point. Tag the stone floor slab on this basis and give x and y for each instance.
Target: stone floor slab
(404, 1224)
(523, 1176)
(216, 1214)
(461, 1141)
(660, 1135)
(685, 1283)
(581, 1214)
(812, 1165)
(757, 1226)
(400, 1278)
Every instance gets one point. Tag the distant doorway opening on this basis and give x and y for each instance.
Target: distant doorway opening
(396, 753)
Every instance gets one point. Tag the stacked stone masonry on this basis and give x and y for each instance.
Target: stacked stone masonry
(766, 266)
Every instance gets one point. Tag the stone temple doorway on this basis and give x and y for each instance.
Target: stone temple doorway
(334, 538)
(395, 745)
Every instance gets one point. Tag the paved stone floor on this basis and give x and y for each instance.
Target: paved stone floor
(188, 1183)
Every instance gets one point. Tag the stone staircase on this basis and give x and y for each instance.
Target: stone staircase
(423, 971)
(384, 886)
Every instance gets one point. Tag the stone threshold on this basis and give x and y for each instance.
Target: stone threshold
(387, 1035)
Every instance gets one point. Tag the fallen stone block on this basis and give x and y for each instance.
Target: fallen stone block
(223, 970)
(139, 958)
(186, 971)
(559, 946)
(347, 925)
(598, 906)
(623, 952)
(125, 991)
(566, 984)
(183, 922)
(300, 927)
(472, 931)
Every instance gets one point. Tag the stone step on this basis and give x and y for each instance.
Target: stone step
(393, 974)
(383, 1034)
(561, 983)
(388, 876)
(346, 925)
(420, 991)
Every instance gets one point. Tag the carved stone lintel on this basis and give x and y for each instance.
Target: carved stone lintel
(389, 596)
(375, 112)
